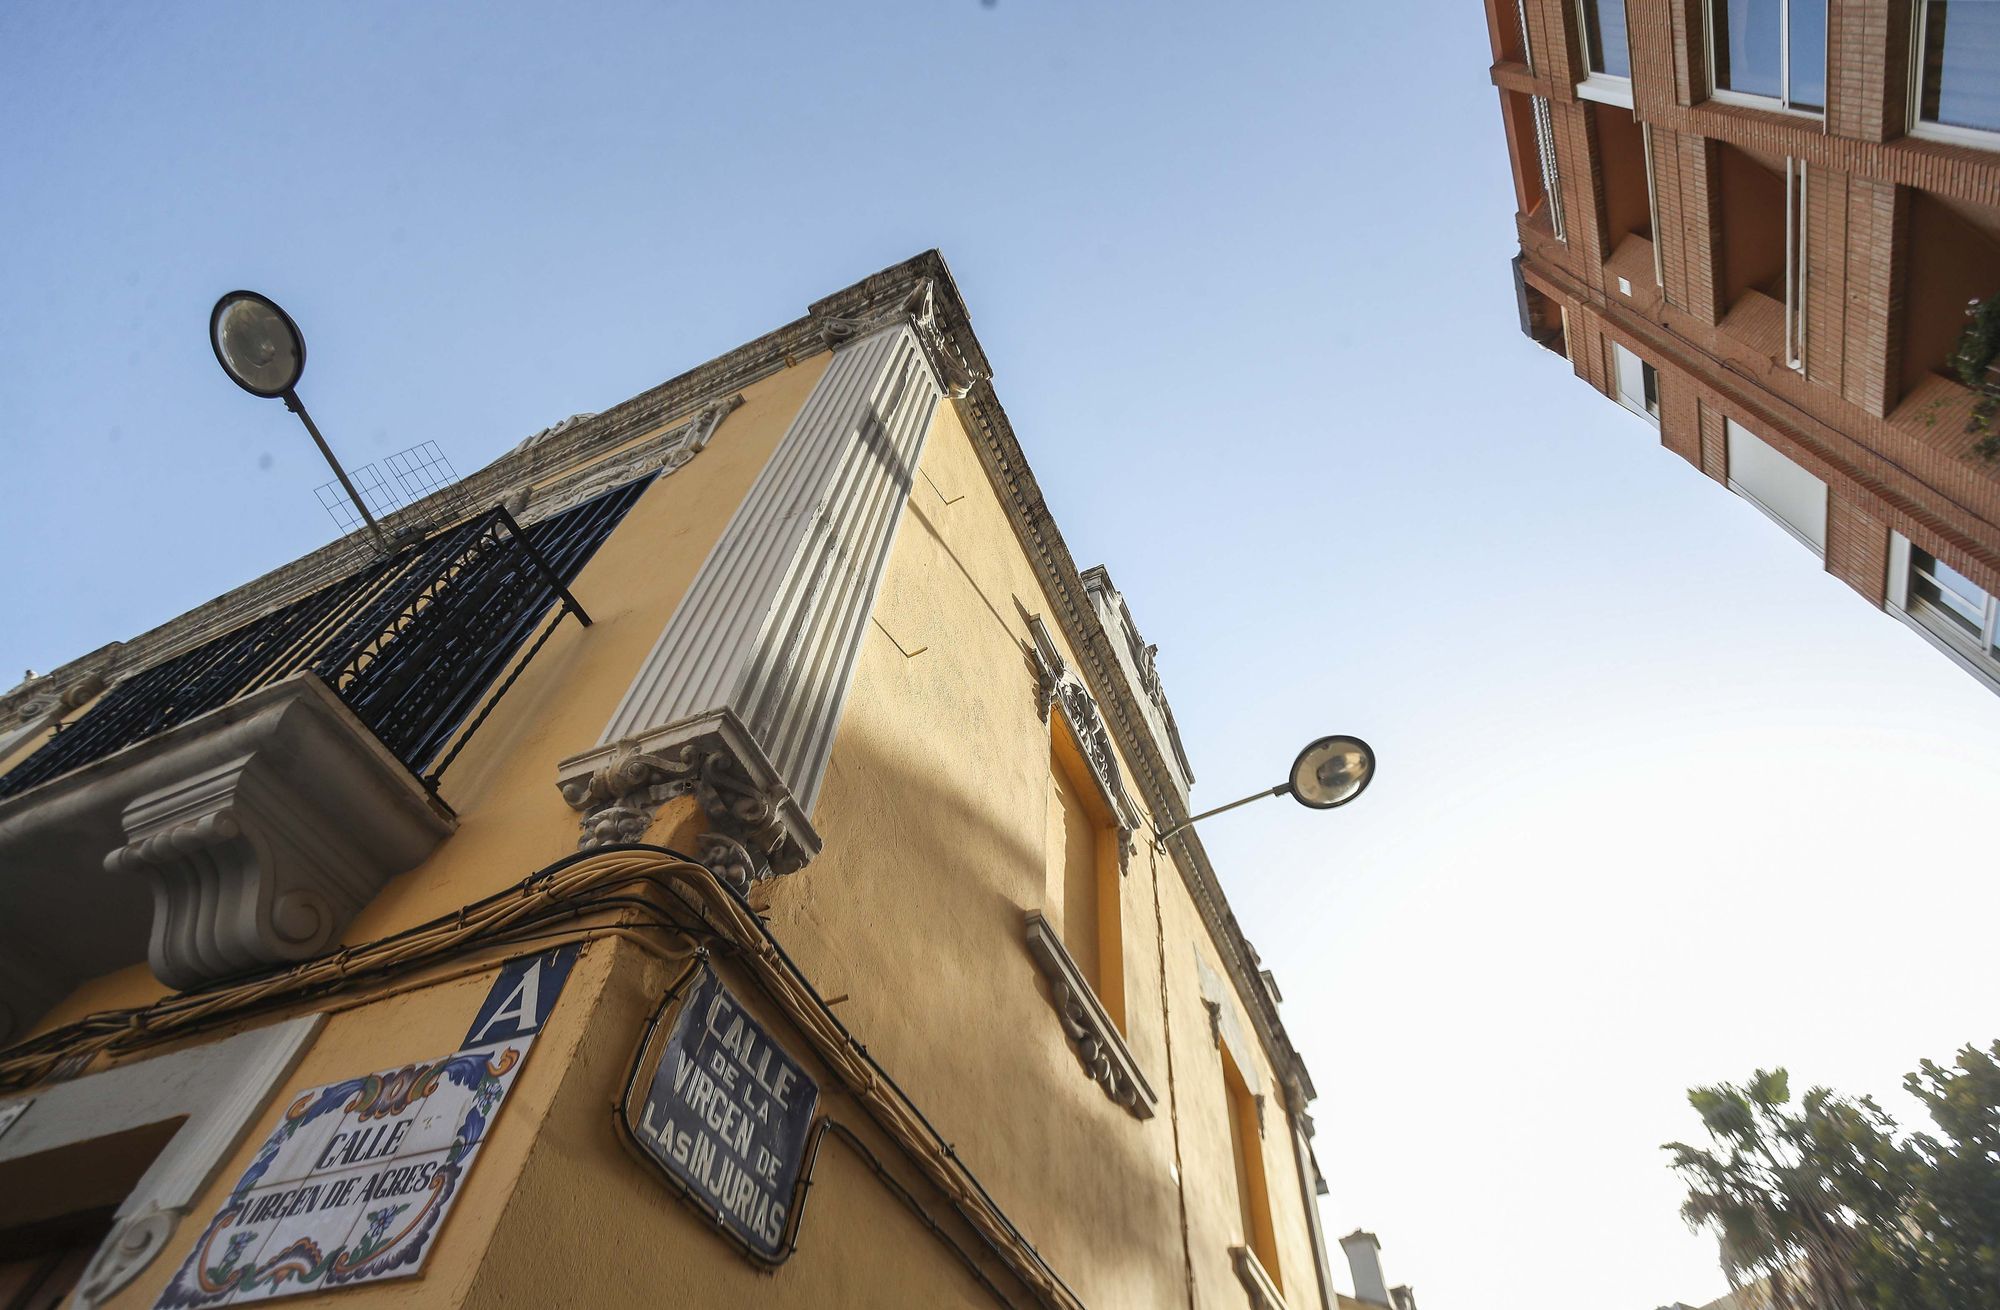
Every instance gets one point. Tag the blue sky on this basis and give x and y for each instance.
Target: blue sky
(1660, 802)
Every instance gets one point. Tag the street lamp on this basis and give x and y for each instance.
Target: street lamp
(1329, 772)
(262, 351)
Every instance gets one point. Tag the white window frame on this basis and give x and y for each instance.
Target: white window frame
(1608, 88)
(1782, 103)
(1939, 627)
(1730, 429)
(1636, 404)
(1950, 133)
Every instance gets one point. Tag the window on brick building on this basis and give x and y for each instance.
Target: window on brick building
(1959, 616)
(1607, 54)
(1768, 53)
(1638, 383)
(1955, 71)
(1789, 495)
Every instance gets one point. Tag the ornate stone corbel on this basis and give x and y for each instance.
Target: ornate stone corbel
(619, 798)
(263, 833)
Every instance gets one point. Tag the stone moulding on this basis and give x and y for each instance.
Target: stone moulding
(41, 703)
(1096, 1040)
(245, 838)
(1056, 684)
(1264, 1294)
(664, 454)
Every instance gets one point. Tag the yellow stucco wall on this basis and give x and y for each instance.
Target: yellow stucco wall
(933, 813)
(934, 816)
(511, 819)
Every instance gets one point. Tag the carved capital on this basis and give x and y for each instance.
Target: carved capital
(757, 829)
(129, 1247)
(956, 374)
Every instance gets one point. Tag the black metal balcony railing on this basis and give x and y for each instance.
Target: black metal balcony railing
(409, 643)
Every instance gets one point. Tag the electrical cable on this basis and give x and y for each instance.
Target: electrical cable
(549, 906)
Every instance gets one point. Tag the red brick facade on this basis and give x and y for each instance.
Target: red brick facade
(1873, 413)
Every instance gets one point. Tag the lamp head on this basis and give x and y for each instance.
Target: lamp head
(1332, 771)
(257, 344)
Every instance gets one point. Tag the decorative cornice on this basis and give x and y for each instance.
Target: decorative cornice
(1144, 660)
(919, 309)
(1098, 1045)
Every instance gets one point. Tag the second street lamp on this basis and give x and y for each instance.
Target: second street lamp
(1329, 772)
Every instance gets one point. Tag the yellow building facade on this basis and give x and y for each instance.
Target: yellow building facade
(792, 933)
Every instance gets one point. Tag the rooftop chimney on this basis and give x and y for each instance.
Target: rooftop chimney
(1364, 1258)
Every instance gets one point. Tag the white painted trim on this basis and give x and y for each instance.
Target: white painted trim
(1897, 592)
(1986, 673)
(1606, 89)
(1744, 100)
(770, 629)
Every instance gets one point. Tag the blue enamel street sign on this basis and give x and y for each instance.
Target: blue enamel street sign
(727, 1116)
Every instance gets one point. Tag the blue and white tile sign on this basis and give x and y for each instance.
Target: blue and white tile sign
(359, 1175)
(727, 1115)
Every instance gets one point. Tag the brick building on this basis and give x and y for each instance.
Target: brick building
(1757, 224)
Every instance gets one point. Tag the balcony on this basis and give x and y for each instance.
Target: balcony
(231, 808)
(1954, 258)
